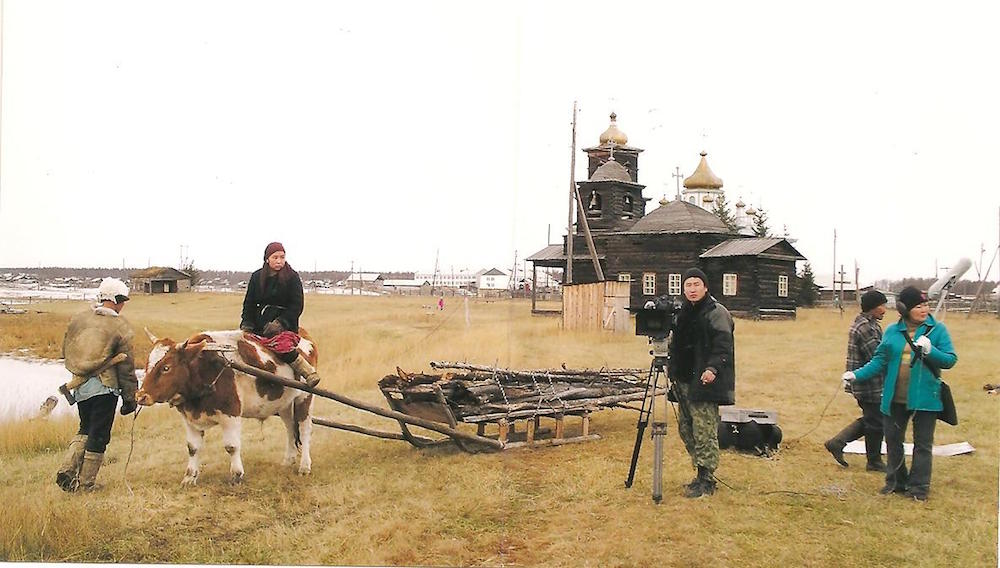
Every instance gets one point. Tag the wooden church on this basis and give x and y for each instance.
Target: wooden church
(753, 277)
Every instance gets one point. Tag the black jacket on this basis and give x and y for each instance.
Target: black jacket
(703, 339)
(272, 300)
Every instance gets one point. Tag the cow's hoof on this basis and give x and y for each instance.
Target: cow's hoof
(305, 470)
(236, 478)
(189, 481)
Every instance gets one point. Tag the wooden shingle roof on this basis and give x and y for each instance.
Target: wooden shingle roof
(679, 217)
(754, 246)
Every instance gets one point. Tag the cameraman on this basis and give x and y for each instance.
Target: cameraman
(702, 376)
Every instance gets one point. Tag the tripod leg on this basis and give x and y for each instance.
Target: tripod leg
(659, 431)
(644, 413)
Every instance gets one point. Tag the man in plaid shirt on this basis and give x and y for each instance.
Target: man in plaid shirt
(864, 337)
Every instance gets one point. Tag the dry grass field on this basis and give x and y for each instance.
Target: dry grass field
(379, 502)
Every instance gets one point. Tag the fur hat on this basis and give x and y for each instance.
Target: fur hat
(872, 299)
(273, 248)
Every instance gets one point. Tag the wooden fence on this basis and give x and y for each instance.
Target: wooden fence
(601, 305)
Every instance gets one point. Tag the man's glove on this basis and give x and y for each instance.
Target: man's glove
(923, 344)
(128, 407)
(273, 327)
(847, 379)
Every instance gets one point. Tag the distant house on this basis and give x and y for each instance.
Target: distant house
(492, 283)
(160, 280)
(462, 279)
(829, 289)
(371, 281)
(414, 286)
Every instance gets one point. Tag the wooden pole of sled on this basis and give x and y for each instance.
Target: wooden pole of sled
(370, 432)
(428, 424)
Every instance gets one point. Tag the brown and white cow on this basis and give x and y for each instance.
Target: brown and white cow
(192, 376)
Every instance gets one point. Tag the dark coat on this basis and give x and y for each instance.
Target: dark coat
(274, 299)
(703, 340)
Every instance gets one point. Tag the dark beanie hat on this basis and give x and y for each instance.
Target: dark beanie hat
(872, 299)
(273, 248)
(909, 298)
(694, 273)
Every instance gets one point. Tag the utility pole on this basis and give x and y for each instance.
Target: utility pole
(841, 282)
(833, 275)
(857, 283)
(572, 204)
(434, 277)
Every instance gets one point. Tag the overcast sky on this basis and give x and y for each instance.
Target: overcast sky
(380, 133)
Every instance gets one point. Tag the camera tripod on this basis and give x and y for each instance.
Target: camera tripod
(657, 369)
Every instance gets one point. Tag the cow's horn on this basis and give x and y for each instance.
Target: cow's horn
(149, 334)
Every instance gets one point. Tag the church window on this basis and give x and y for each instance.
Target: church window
(691, 199)
(728, 284)
(625, 277)
(595, 202)
(649, 283)
(674, 284)
(782, 286)
(627, 203)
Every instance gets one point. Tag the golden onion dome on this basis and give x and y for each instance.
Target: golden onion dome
(612, 134)
(751, 211)
(703, 178)
(740, 204)
(663, 201)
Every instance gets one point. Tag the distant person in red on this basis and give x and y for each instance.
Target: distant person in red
(441, 303)
(272, 307)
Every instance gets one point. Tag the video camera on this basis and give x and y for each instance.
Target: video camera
(656, 319)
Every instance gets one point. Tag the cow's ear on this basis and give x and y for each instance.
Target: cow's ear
(192, 350)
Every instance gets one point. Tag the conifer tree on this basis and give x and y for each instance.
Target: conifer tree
(721, 210)
(807, 286)
(760, 228)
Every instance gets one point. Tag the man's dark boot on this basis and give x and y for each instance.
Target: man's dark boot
(837, 449)
(704, 484)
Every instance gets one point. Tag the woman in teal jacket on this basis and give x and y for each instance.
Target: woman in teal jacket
(912, 389)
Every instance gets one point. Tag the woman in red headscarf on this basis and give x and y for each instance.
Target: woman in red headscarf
(272, 307)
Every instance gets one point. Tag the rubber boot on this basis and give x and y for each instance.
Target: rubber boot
(836, 448)
(873, 449)
(88, 472)
(68, 476)
(305, 370)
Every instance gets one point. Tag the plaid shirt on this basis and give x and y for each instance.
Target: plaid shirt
(862, 341)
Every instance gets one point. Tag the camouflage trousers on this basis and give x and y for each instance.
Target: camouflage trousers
(698, 425)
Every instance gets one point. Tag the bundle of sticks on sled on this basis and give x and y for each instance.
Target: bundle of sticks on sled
(476, 393)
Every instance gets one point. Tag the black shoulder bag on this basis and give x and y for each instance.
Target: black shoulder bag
(947, 414)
